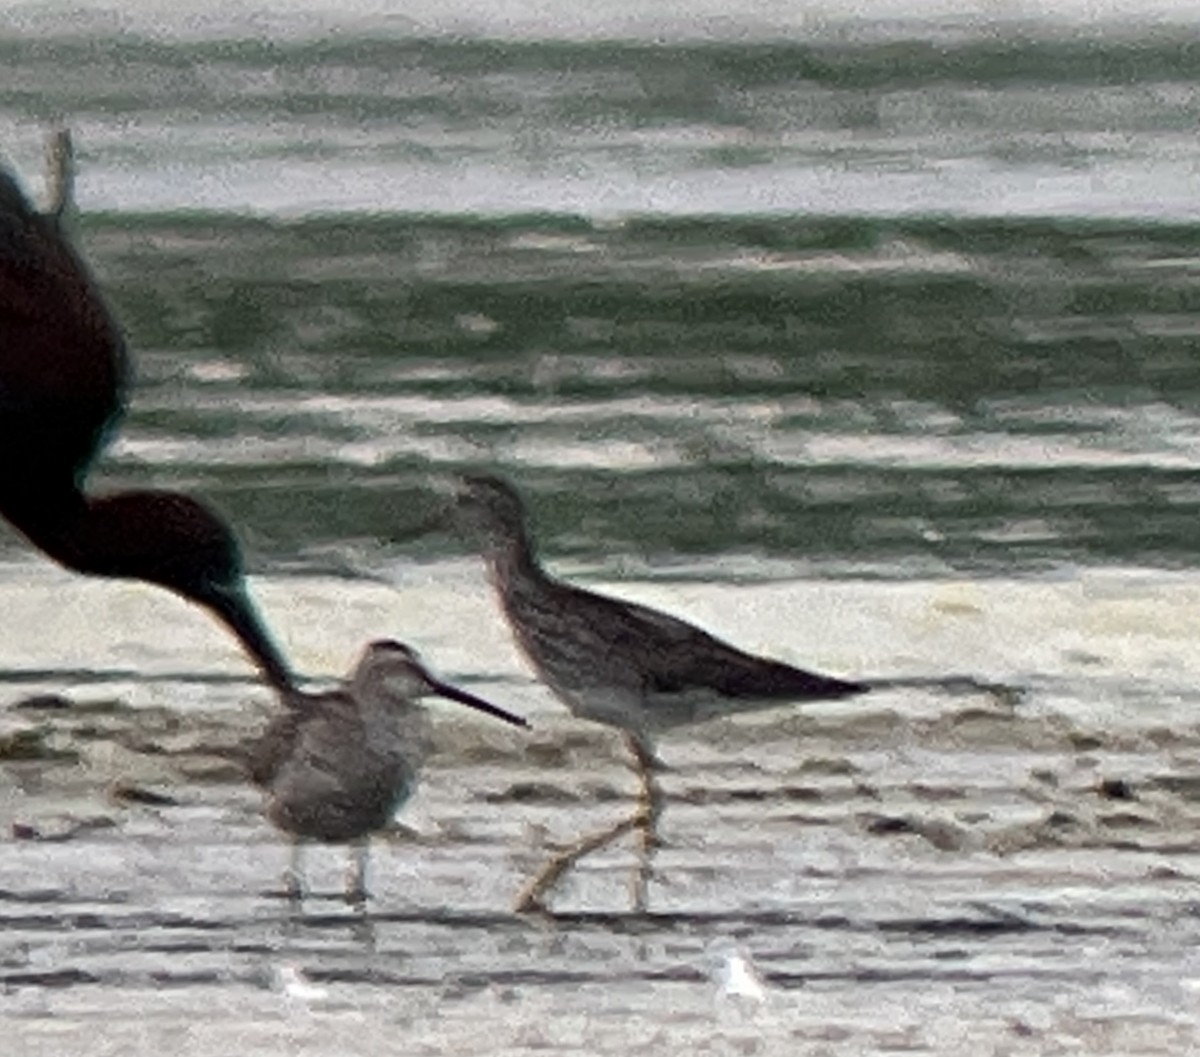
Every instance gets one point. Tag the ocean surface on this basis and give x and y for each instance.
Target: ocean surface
(869, 303)
(865, 337)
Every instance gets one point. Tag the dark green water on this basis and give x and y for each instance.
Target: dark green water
(880, 298)
(824, 395)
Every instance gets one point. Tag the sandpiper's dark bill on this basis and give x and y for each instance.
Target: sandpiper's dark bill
(453, 693)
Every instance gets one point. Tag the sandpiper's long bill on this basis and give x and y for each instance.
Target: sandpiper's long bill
(619, 663)
(336, 766)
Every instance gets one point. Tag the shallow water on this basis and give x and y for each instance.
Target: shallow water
(1000, 865)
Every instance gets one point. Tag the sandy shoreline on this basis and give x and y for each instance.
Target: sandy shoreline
(947, 869)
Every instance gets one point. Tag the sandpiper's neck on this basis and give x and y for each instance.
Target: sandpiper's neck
(393, 724)
(511, 561)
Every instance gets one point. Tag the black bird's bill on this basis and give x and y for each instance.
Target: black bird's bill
(453, 693)
(234, 606)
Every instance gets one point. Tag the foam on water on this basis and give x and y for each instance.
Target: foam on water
(678, 113)
(529, 18)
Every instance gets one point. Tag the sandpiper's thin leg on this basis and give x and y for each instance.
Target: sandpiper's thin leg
(356, 872)
(650, 795)
(293, 876)
(644, 819)
(531, 898)
(649, 810)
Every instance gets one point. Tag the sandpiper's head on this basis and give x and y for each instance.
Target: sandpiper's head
(490, 508)
(395, 667)
(493, 496)
(176, 542)
(398, 670)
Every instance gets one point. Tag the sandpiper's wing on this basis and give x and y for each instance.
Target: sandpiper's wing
(666, 655)
(281, 739)
(272, 748)
(323, 775)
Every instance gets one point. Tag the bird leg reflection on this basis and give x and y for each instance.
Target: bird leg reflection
(356, 872)
(293, 876)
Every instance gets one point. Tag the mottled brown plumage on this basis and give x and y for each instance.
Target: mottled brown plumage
(616, 662)
(336, 766)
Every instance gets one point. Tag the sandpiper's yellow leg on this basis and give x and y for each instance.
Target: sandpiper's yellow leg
(644, 819)
(532, 897)
(649, 811)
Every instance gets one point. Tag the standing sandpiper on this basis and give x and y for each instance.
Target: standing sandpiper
(335, 766)
(619, 663)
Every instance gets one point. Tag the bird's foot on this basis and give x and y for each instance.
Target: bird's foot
(356, 875)
(293, 886)
(530, 900)
(645, 821)
(355, 893)
(531, 897)
(649, 841)
(644, 875)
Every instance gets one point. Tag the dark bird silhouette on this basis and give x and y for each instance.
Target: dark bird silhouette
(64, 379)
(619, 663)
(336, 766)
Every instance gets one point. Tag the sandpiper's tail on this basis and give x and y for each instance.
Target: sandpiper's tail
(739, 676)
(773, 680)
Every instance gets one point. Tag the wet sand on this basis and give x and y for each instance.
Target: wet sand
(997, 856)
